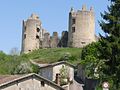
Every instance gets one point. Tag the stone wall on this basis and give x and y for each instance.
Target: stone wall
(54, 40)
(64, 39)
(46, 41)
(81, 32)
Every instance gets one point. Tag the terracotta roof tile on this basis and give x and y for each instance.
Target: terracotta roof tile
(8, 78)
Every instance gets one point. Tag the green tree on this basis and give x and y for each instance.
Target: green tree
(91, 62)
(14, 51)
(2, 55)
(110, 43)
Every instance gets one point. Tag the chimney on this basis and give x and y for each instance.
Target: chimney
(58, 79)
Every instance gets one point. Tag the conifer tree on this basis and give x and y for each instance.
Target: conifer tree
(110, 43)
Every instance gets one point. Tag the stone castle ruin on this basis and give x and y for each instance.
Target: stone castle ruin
(81, 32)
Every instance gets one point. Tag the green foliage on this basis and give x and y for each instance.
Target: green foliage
(90, 60)
(55, 54)
(64, 75)
(110, 44)
(35, 68)
(92, 64)
(11, 64)
(68, 57)
(23, 68)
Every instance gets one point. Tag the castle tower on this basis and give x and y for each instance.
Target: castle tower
(81, 27)
(31, 34)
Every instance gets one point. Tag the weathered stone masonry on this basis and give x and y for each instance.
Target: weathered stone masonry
(81, 32)
(81, 27)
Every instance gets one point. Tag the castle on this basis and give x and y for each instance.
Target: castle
(81, 32)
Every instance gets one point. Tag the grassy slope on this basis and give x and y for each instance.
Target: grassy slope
(53, 55)
(42, 55)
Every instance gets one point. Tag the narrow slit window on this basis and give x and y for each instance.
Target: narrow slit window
(73, 21)
(38, 29)
(24, 36)
(25, 29)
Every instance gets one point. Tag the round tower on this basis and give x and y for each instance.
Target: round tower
(81, 27)
(31, 34)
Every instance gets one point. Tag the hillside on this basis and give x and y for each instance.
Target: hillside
(8, 63)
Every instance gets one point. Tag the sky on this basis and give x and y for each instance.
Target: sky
(53, 15)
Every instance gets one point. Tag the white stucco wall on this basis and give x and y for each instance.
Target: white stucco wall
(56, 69)
(50, 72)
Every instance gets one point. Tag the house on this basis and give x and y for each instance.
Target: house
(54, 73)
(26, 82)
(51, 71)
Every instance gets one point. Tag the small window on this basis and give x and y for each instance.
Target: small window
(38, 29)
(73, 29)
(73, 21)
(29, 50)
(24, 28)
(83, 42)
(24, 36)
(42, 83)
(37, 37)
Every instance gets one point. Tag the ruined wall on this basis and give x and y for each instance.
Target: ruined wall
(81, 27)
(80, 33)
(64, 39)
(54, 40)
(46, 41)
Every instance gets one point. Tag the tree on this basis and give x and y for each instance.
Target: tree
(14, 51)
(91, 62)
(2, 55)
(110, 43)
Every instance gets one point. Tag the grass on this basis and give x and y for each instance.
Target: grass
(9, 63)
(54, 55)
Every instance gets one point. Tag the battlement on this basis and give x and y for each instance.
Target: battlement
(81, 27)
(84, 9)
(34, 16)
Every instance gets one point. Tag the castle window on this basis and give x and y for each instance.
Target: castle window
(73, 21)
(37, 37)
(24, 36)
(42, 83)
(83, 42)
(24, 28)
(73, 29)
(38, 29)
(29, 50)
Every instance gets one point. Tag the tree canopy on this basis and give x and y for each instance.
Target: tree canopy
(110, 43)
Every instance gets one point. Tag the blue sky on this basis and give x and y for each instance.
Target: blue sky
(52, 13)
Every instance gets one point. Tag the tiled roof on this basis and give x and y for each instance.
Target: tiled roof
(8, 78)
(56, 63)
